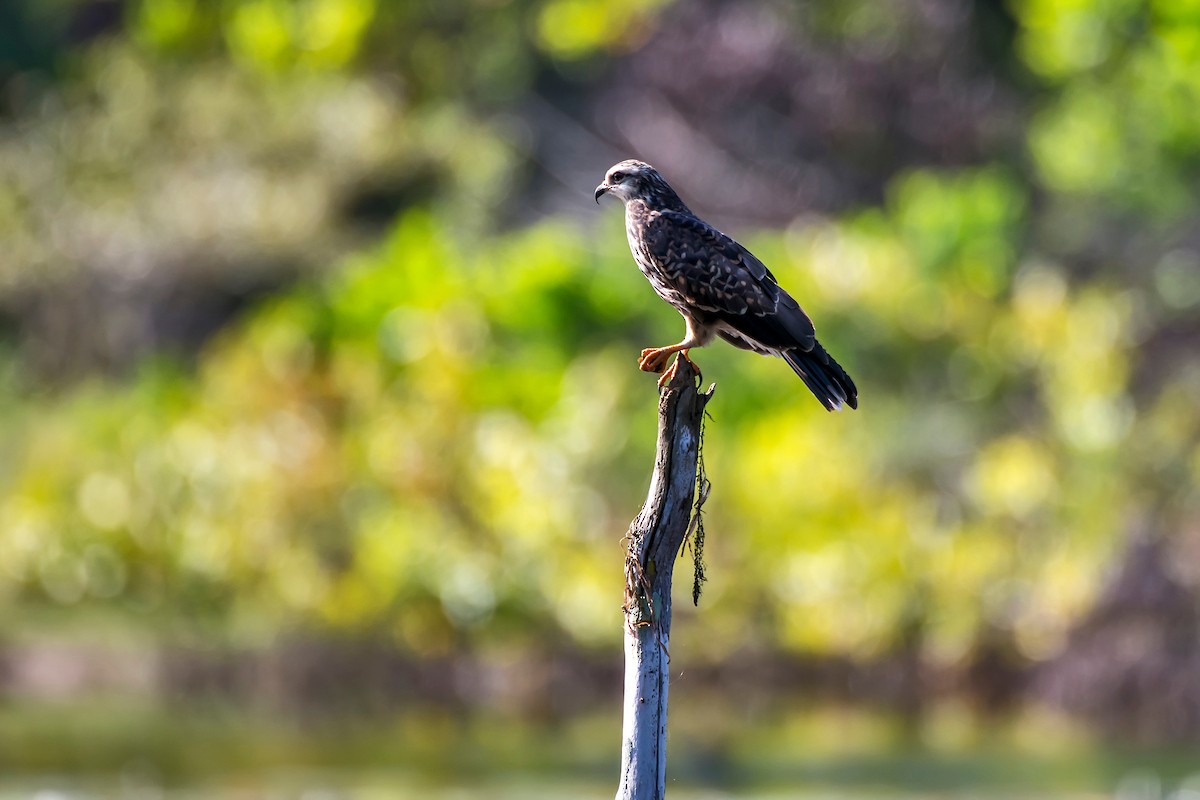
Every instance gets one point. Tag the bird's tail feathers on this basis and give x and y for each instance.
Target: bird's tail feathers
(824, 377)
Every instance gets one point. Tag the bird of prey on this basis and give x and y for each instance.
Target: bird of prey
(718, 286)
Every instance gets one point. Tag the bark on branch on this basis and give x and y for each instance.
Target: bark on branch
(655, 538)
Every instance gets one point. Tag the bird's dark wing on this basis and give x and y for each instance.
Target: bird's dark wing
(723, 280)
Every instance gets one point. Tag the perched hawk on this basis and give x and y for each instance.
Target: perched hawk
(718, 286)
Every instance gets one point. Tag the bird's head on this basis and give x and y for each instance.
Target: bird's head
(637, 180)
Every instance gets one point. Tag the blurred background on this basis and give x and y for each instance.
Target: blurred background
(320, 422)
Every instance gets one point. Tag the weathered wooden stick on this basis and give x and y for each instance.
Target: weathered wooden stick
(655, 538)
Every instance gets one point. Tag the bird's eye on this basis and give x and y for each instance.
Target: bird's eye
(617, 177)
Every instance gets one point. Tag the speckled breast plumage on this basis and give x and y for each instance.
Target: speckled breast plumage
(636, 217)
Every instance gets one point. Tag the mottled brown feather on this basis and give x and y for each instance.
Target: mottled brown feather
(715, 274)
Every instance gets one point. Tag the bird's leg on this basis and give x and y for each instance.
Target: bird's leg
(654, 359)
(669, 375)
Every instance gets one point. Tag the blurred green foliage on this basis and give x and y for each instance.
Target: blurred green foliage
(444, 442)
(1126, 118)
(440, 436)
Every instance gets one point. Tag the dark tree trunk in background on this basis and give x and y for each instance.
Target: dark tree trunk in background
(655, 538)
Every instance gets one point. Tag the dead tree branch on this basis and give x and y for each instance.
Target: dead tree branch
(655, 538)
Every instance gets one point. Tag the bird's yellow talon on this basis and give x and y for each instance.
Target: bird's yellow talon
(653, 359)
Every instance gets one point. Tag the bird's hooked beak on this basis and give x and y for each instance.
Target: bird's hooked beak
(601, 190)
